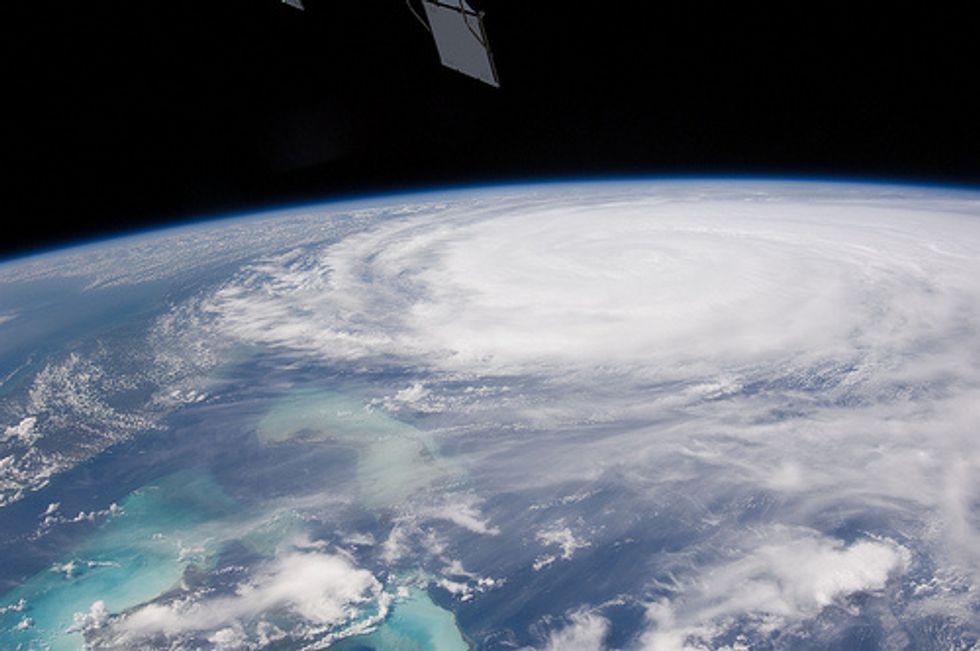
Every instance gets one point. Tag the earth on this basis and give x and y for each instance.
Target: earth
(634, 415)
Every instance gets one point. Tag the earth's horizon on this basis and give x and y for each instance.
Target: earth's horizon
(640, 414)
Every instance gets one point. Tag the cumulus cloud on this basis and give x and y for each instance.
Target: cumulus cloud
(23, 432)
(70, 418)
(561, 536)
(321, 590)
(585, 631)
(789, 577)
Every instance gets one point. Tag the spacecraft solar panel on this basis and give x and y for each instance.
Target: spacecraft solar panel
(460, 39)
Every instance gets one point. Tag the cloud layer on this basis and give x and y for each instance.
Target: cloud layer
(659, 281)
(767, 393)
(813, 347)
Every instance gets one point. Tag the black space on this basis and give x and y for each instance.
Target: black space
(129, 114)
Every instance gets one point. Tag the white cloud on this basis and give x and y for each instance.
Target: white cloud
(585, 631)
(462, 510)
(464, 585)
(23, 432)
(94, 619)
(229, 639)
(395, 545)
(653, 278)
(192, 249)
(562, 537)
(322, 590)
(71, 398)
(417, 397)
(359, 539)
(543, 561)
(790, 576)
(52, 517)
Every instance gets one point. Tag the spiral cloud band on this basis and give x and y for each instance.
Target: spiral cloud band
(641, 415)
(805, 354)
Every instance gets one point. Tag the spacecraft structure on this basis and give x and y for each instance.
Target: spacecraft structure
(459, 34)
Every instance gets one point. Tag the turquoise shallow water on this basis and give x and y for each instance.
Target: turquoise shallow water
(416, 623)
(134, 556)
(395, 459)
(143, 551)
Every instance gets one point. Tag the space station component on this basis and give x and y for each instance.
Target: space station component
(459, 34)
(461, 39)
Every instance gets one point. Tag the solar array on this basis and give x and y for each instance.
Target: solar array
(461, 39)
(459, 35)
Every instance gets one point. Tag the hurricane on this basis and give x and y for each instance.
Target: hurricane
(634, 415)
